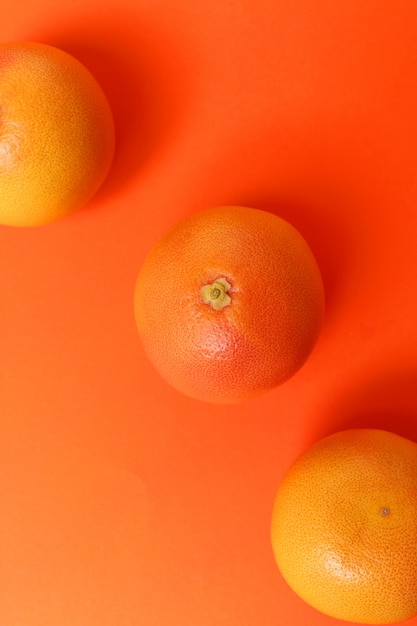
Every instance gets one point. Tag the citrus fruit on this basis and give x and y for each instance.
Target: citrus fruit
(344, 526)
(229, 303)
(56, 134)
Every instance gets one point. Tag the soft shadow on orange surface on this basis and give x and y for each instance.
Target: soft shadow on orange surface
(388, 402)
(143, 75)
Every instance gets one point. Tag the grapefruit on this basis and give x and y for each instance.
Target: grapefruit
(229, 303)
(56, 134)
(344, 526)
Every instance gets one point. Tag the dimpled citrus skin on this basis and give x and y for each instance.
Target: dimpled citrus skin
(56, 134)
(258, 339)
(344, 526)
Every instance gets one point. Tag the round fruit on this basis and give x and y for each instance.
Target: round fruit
(56, 134)
(229, 303)
(344, 526)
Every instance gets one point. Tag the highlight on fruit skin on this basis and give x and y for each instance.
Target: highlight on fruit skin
(57, 135)
(229, 303)
(344, 526)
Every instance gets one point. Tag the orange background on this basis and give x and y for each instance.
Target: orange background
(123, 502)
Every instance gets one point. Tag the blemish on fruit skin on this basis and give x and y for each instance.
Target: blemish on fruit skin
(384, 511)
(216, 293)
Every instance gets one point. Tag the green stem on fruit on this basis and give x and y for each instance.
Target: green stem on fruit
(216, 294)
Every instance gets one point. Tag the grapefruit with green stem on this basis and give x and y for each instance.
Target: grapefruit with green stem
(229, 303)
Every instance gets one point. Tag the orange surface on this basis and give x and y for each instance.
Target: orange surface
(122, 501)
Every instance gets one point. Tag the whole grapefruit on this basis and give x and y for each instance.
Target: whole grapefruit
(229, 303)
(56, 134)
(344, 526)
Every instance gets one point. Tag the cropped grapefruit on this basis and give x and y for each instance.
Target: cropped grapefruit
(229, 303)
(56, 134)
(344, 526)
